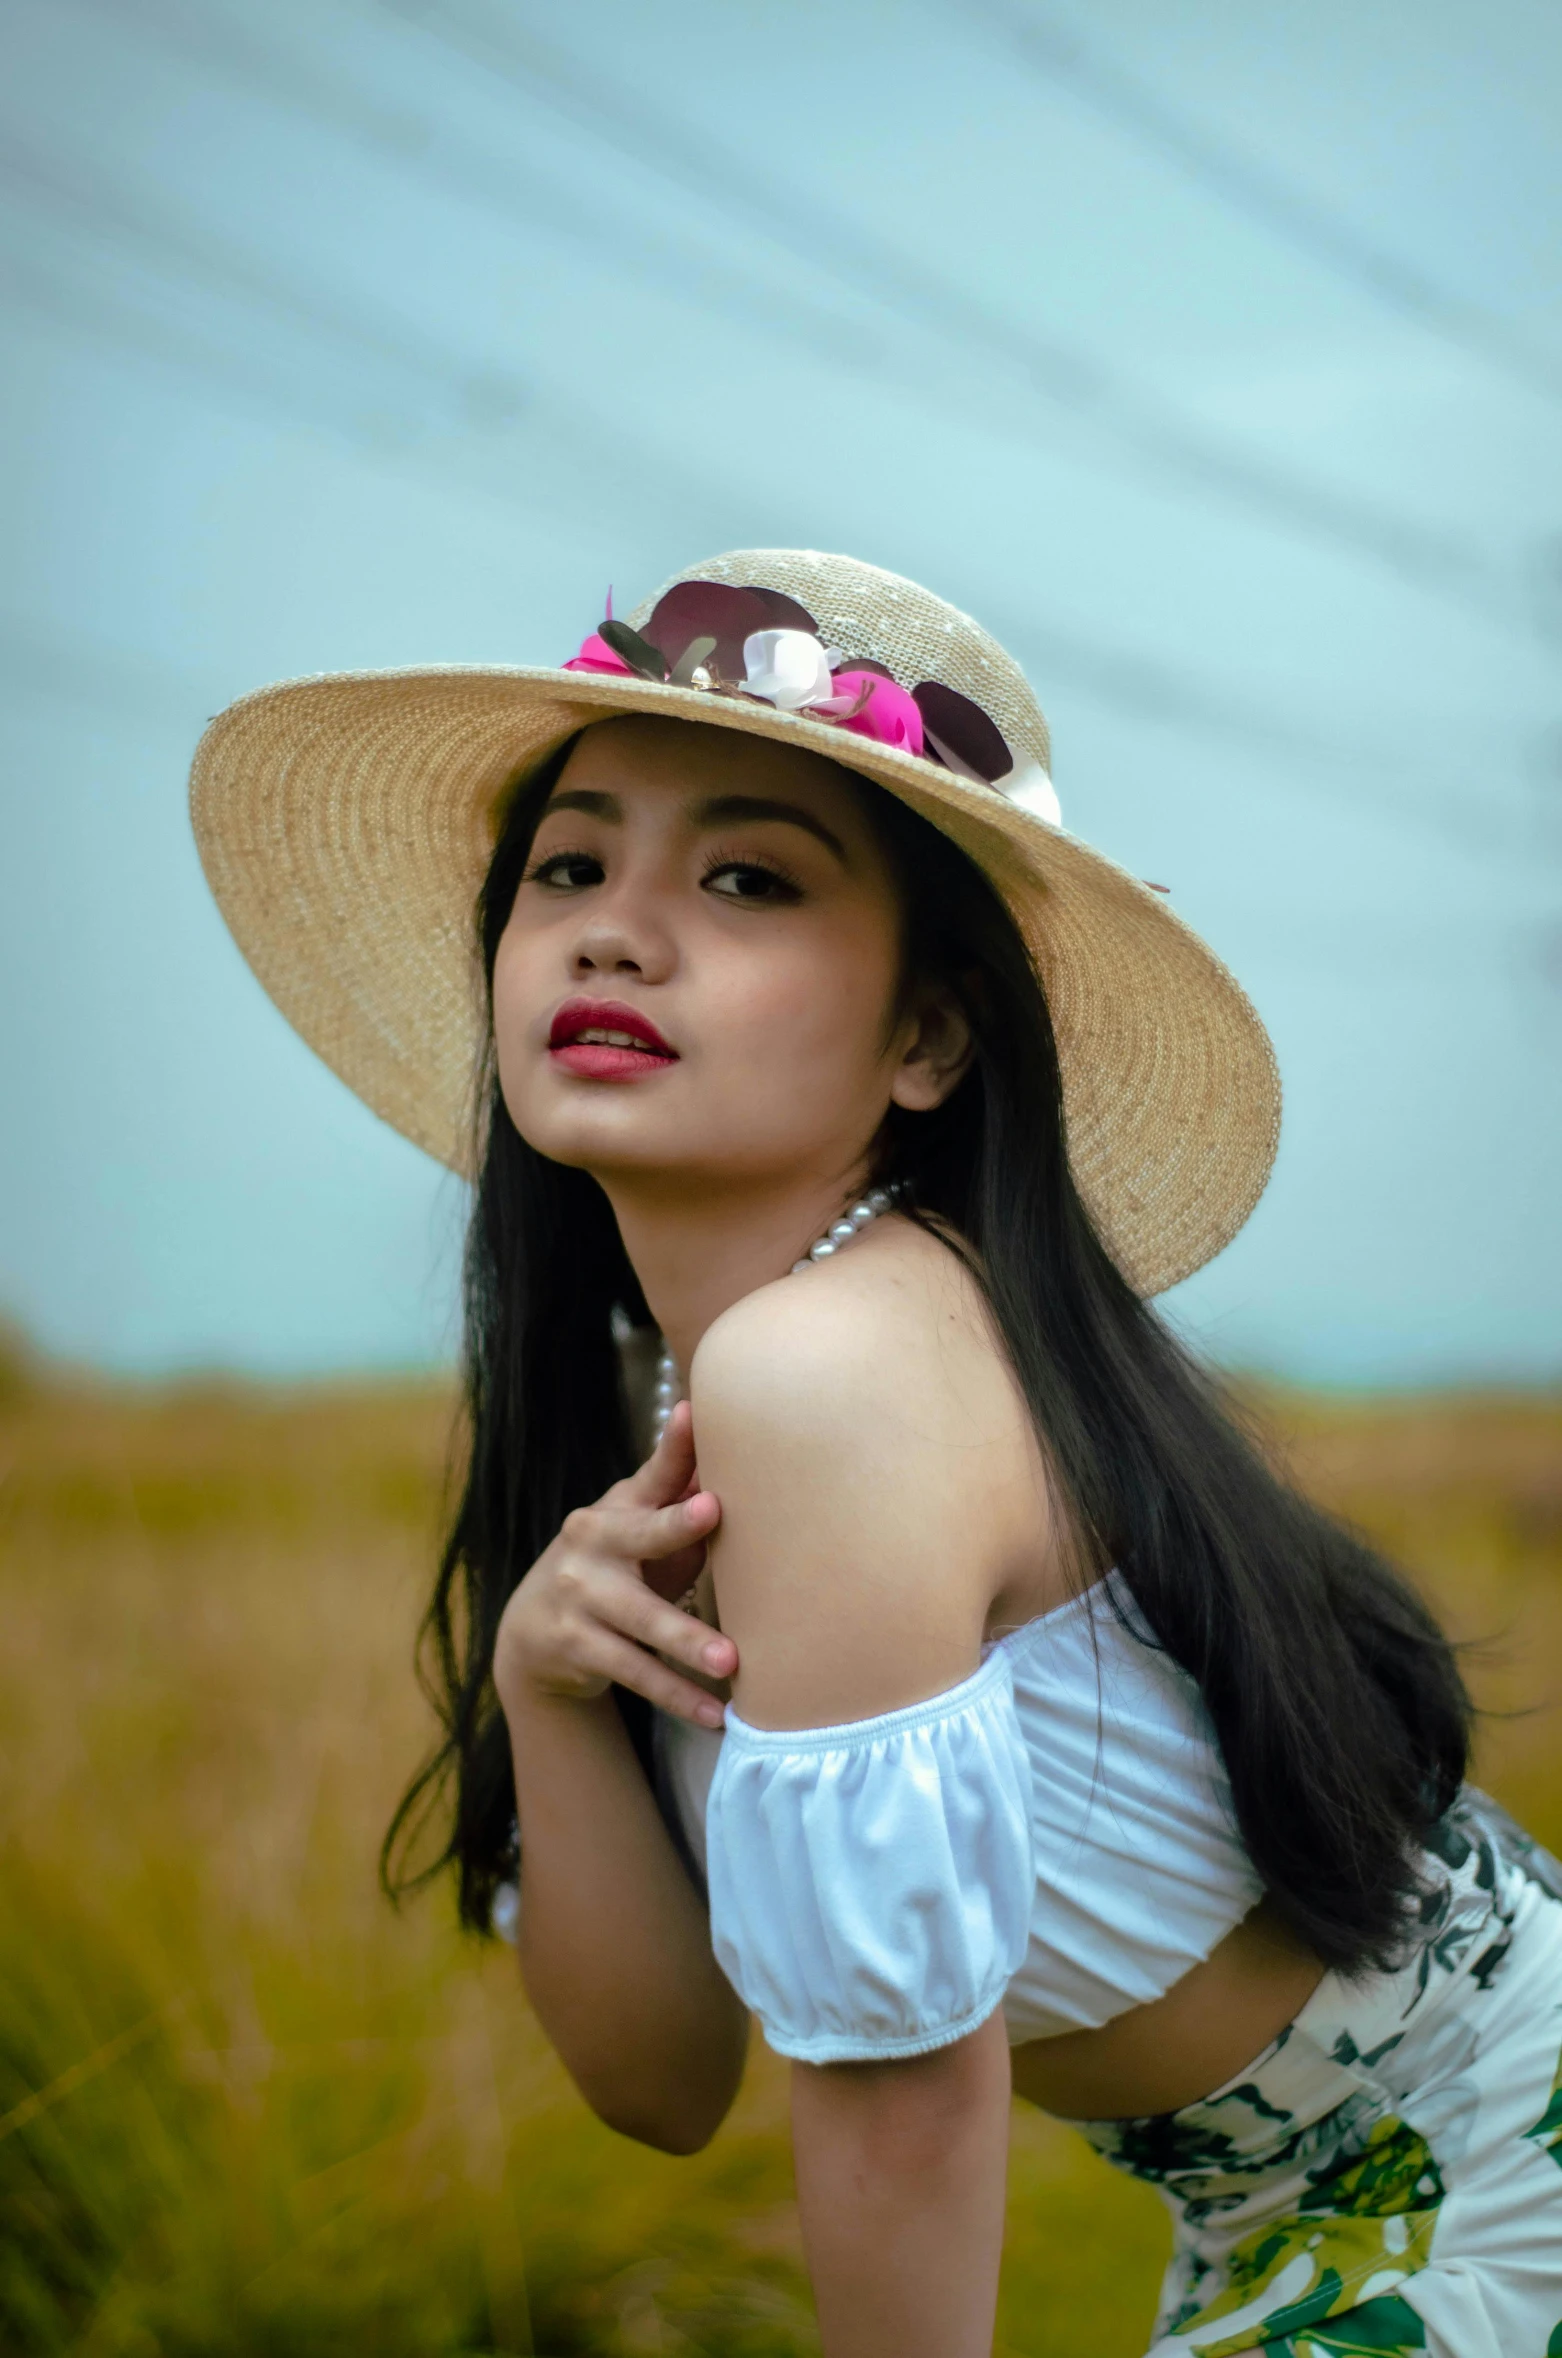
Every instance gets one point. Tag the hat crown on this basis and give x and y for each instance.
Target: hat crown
(878, 617)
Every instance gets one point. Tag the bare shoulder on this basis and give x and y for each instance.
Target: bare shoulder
(896, 1324)
(878, 1478)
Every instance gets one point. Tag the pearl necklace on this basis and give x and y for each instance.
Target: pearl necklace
(669, 1388)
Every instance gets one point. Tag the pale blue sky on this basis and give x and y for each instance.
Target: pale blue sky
(388, 331)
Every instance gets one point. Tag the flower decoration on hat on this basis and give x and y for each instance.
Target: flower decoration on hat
(758, 643)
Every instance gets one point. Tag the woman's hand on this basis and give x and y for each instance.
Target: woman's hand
(614, 1939)
(593, 1609)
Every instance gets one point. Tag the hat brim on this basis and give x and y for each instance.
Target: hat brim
(345, 824)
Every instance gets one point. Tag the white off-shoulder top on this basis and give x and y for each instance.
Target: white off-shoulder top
(1054, 1835)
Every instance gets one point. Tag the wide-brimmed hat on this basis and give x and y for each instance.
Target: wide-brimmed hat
(345, 824)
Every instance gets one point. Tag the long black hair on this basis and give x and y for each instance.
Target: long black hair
(1340, 1713)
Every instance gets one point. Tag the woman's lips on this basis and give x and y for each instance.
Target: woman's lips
(604, 1040)
(599, 1062)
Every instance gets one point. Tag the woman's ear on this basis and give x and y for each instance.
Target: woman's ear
(935, 1059)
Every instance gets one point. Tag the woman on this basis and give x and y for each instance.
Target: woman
(980, 1710)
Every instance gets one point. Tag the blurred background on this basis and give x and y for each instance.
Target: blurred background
(1213, 359)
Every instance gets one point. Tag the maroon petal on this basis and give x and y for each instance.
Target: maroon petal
(784, 613)
(960, 734)
(708, 610)
(880, 671)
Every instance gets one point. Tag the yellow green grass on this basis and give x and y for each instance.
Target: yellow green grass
(246, 2108)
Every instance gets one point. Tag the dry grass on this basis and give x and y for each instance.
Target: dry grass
(246, 2109)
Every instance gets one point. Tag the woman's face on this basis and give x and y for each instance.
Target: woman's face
(700, 971)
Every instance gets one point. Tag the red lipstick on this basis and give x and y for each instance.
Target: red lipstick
(607, 1040)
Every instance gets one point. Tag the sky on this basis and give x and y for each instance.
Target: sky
(1211, 357)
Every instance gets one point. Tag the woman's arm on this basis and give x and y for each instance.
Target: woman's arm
(900, 2175)
(868, 1461)
(614, 1942)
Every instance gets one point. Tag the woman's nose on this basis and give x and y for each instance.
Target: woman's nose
(597, 958)
(617, 941)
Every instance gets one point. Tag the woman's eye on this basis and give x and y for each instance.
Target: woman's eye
(567, 871)
(747, 880)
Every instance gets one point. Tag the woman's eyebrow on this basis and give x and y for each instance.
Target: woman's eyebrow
(715, 811)
(583, 798)
(723, 807)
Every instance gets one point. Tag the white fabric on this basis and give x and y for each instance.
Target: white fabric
(1140, 1870)
(1054, 1833)
(686, 1758)
(870, 1885)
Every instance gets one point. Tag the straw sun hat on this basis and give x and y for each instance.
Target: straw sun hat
(345, 824)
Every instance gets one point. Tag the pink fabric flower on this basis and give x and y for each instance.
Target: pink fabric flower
(596, 655)
(890, 714)
(862, 701)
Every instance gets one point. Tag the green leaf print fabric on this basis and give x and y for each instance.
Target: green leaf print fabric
(1387, 2177)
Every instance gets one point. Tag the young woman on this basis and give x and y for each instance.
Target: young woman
(947, 1680)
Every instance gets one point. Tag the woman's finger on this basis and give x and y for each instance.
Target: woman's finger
(629, 1665)
(671, 1576)
(616, 1531)
(668, 1470)
(630, 1609)
(644, 1533)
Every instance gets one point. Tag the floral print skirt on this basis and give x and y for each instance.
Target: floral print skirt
(1387, 2176)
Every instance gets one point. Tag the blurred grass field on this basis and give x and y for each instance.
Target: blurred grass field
(246, 2108)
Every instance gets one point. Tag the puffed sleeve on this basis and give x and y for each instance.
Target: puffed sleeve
(871, 1884)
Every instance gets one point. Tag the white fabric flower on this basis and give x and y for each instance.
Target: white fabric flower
(1033, 790)
(789, 668)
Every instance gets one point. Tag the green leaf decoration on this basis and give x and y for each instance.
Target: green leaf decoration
(698, 651)
(637, 652)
